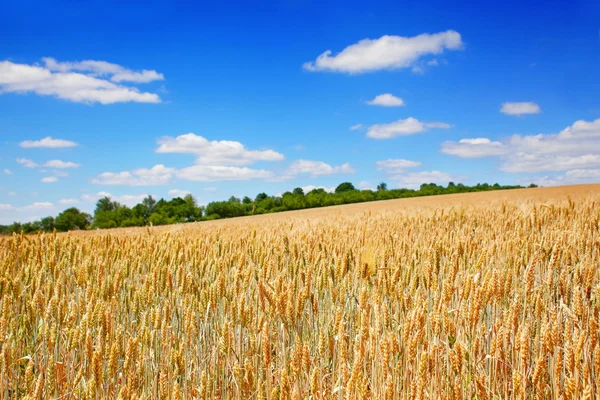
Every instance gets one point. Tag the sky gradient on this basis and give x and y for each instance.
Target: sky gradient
(237, 98)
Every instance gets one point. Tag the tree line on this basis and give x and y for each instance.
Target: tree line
(150, 212)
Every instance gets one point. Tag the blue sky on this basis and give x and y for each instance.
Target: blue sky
(237, 98)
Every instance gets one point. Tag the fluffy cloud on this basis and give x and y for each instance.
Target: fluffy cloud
(387, 52)
(356, 127)
(47, 142)
(520, 108)
(89, 86)
(27, 163)
(60, 164)
(39, 206)
(474, 148)
(157, 175)
(403, 127)
(178, 193)
(6, 207)
(68, 201)
(573, 177)
(215, 152)
(116, 72)
(7, 171)
(316, 168)
(308, 188)
(49, 179)
(214, 173)
(386, 100)
(575, 147)
(395, 165)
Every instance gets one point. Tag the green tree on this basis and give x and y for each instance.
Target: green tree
(72, 219)
(48, 224)
(298, 191)
(344, 187)
(382, 187)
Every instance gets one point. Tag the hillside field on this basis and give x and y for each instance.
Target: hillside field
(492, 295)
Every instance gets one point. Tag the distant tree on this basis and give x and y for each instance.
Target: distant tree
(71, 219)
(382, 187)
(48, 224)
(235, 200)
(344, 187)
(299, 191)
(150, 203)
(246, 200)
(105, 204)
(533, 185)
(261, 197)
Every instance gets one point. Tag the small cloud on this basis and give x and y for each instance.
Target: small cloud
(6, 207)
(520, 108)
(27, 163)
(386, 100)
(403, 127)
(7, 171)
(68, 201)
(12, 193)
(157, 175)
(308, 188)
(49, 179)
(178, 193)
(39, 206)
(315, 168)
(61, 164)
(47, 142)
(210, 189)
(356, 127)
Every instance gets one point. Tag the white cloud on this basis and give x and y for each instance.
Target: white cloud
(403, 127)
(60, 164)
(575, 147)
(308, 188)
(47, 142)
(414, 180)
(386, 100)
(316, 168)
(356, 127)
(178, 193)
(6, 207)
(215, 152)
(49, 179)
(55, 79)
(520, 108)
(395, 165)
(7, 171)
(473, 148)
(210, 189)
(39, 206)
(214, 173)
(572, 177)
(157, 175)
(365, 185)
(27, 163)
(387, 52)
(103, 68)
(68, 201)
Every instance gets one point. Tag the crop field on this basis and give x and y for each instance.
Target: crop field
(473, 296)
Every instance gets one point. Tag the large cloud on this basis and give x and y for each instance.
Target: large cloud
(387, 52)
(215, 152)
(575, 147)
(88, 86)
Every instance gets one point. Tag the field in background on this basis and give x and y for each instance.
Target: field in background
(484, 295)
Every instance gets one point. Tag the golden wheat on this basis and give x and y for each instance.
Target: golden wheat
(497, 301)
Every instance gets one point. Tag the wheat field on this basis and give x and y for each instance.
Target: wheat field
(477, 296)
